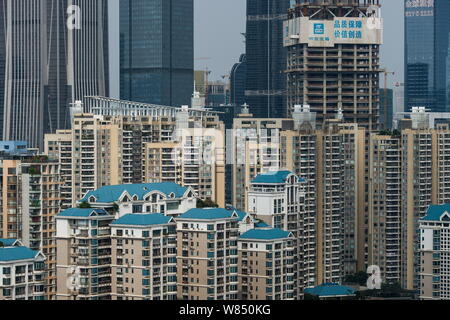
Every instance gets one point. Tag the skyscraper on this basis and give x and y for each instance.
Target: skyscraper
(238, 79)
(157, 51)
(427, 63)
(45, 65)
(266, 57)
(334, 59)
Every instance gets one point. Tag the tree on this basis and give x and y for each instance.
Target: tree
(208, 203)
(84, 205)
(358, 278)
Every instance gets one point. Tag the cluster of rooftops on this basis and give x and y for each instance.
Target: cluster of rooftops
(261, 232)
(140, 192)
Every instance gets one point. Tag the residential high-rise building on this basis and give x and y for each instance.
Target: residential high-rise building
(384, 241)
(124, 148)
(277, 199)
(434, 253)
(144, 249)
(83, 238)
(238, 78)
(207, 258)
(333, 59)
(46, 66)
(157, 51)
(267, 268)
(332, 163)
(22, 271)
(30, 188)
(427, 73)
(266, 58)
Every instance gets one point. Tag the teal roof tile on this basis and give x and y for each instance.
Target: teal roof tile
(435, 212)
(17, 253)
(261, 224)
(7, 242)
(82, 213)
(330, 290)
(208, 214)
(108, 194)
(142, 219)
(265, 234)
(272, 177)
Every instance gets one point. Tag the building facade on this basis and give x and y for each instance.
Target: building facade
(336, 64)
(267, 268)
(22, 272)
(46, 66)
(207, 259)
(266, 58)
(157, 51)
(116, 149)
(277, 199)
(83, 238)
(30, 200)
(427, 73)
(434, 253)
(144, 257)
(238, 78)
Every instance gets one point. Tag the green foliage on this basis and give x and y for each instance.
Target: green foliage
(308, 296)
(34, 171)
(393, 290)
(208, 203)
(357, 278)
(84, 205)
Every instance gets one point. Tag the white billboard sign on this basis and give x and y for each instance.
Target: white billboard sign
(327, 33)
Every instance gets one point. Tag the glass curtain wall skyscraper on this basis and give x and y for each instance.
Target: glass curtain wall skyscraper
(266, 58)
(157, 51)
(427, 55)
(45, 66)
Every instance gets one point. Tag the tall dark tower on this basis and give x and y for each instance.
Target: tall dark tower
(266, 58)
(45, 66)
(334, 59)
(157, 51)
(427, 62)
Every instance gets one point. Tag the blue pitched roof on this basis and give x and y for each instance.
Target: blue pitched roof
(265, 234)
(261, 224)
(241, 214)
(272, 177)
(17, 253)
(208, 214)
(142, 219)
(330, 290)
(82, 213)
(8, 242)
(108, 194)
(435, 212)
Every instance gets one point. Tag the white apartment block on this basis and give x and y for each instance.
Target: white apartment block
(22, 272)
(144, 257)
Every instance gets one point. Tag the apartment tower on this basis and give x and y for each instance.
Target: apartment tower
(333, 59)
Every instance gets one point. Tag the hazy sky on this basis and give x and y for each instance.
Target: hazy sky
(219, 24)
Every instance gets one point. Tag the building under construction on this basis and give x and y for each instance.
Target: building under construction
(334, 59)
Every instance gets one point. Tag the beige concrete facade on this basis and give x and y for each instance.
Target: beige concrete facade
(207, 259)
(30, 198)
(111, 150)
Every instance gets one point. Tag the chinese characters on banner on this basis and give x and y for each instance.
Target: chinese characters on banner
(348, 29)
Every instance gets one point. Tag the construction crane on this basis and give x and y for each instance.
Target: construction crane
(386, 74)
(206, 74)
